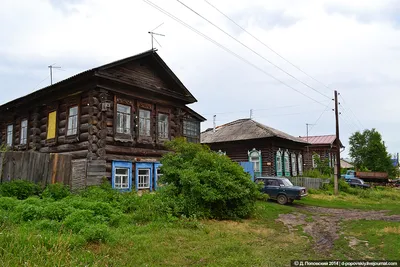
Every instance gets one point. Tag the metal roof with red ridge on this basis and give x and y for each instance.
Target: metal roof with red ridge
(321, 140)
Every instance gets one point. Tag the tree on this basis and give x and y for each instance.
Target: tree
(368, 151)
(206, 184)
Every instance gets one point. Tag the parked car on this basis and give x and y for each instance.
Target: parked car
(355, 182)
(281, 189)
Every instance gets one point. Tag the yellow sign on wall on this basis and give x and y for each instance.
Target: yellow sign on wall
(51, 125)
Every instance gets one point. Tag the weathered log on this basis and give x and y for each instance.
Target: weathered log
(85, 119)
(43, 120)
(110, 122)
(84, 127)
(120, 150)
(110, 131)
(102, 134)
(84, 137)
(109, 139)
(76, 154)
(101, 152)
(65, 148)
(101, 143)
(63, 115)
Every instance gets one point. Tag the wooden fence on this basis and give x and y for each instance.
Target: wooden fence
(36, 167)
(314, 183)
(44, 169)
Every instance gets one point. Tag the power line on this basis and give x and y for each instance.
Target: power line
(226, 49)
(252, 50)
(320, 116)
(344, 102)
(351, 125)
(264, 44)
(261, 109)
(34, 88)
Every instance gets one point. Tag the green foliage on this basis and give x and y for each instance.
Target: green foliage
(20, 189)
(315, 173)
(205, 184)
(4, 148)
(369, 152)
(342, 185)
(56, 191)
(8, 203)
(322, 165)
(95, 233)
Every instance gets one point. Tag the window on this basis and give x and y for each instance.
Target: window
(123, 119)
(10, 134)
(163, 126)
(51, 125)
(255, 158)
(278, 163)
(72, 121)
(300, 163)
(24, 132)
(293, 160)
(315, 156)
(286, 163)
(121, 178)
(144, 178)
(144, 122)
(273, 182)
(191, 130)
(122, 175)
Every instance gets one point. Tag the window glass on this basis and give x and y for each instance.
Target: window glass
(163, 126)
(191, 130)
(10, 133)
(24, 132)
(121, 178)
(144, 178)
(73, 121)
(123, 119)
(144, 122)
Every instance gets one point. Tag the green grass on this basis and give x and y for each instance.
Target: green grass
(368, 199)
(377, 240)
(255, 242)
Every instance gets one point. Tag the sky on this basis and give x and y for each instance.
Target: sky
(302, 51)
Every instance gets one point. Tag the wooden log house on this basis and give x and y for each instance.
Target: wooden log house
(272, 152)
(119, 114)
(321, 146)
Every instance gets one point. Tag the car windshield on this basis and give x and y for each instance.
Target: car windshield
(286, 182)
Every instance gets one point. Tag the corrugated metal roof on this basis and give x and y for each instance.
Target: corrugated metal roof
(244, 129)
(320, 140)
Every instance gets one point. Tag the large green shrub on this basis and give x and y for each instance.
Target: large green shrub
(205, 184)
(20, 189)
(56, 191)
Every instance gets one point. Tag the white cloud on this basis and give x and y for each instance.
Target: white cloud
(326, 38)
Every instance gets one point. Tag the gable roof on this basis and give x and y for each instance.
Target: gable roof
(244, 129)
(321, 140)
(88, 73)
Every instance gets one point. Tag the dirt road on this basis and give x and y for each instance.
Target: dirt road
(323, 224)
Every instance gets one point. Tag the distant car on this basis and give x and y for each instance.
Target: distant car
(355, 182)
(281, 189)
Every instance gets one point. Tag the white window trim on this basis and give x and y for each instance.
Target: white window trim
(124, 129)
(141, 177)
(300, 164)
(117, 176)
(294, 164)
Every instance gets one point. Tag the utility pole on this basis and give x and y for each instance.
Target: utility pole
(337, 176)
(308, 124)
(251, 113)
(51, 67)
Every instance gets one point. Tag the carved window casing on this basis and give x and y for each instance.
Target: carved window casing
(123, 119)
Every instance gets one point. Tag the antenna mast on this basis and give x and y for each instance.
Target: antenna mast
(51, 67)
(152, 33)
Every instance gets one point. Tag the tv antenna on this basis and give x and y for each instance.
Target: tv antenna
(51, 67)
(152, 33)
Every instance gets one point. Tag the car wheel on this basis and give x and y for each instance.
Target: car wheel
(282, 199)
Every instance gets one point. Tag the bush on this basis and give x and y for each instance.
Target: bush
(8, 203)
(95, 233)
(57, 211)
(20, 189)
(342, 185)
(28, 212)
(48, 225)
(56, 191)
(314, 173)
(204, 184)
(78, 219)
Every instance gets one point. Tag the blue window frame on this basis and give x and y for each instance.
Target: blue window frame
(122, 175)
(144, 174)
(157, 174)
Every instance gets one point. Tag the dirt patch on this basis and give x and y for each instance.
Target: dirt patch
(324, 225)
